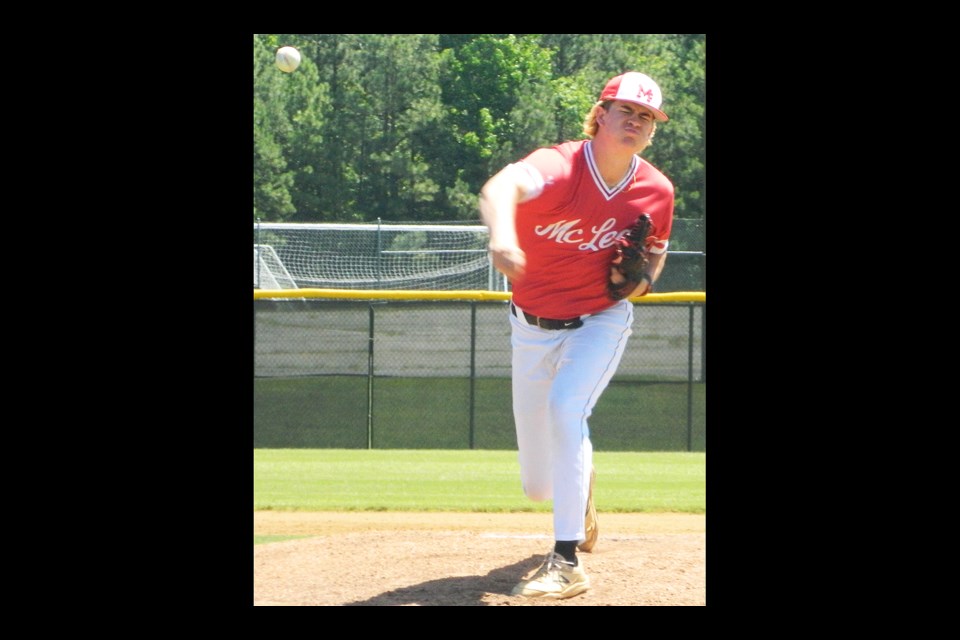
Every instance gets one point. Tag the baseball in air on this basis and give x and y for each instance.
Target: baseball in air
(288, 59)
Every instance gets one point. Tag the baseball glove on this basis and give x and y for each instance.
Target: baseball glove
(631, 258)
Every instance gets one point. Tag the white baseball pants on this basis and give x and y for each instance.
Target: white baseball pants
(558, 376)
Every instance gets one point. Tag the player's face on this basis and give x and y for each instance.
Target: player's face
(631, 121)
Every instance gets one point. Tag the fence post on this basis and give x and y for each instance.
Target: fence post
(379, 253)
(258, 253)
(691, 306)
(370, 381)
(703, 322)
(473, 367)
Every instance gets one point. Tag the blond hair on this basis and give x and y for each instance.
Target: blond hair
(590, 125)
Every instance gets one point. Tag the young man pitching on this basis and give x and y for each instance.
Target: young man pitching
(556, 220)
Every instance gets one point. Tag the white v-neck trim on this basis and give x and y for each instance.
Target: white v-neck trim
(608, 192)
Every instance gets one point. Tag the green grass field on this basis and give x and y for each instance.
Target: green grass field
(463, 480)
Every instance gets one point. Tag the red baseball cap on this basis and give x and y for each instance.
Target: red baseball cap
(637, 88)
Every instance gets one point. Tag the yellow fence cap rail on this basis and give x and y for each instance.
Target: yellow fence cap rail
(398, 294)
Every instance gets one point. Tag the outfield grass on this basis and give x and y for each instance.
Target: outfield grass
(463, 480)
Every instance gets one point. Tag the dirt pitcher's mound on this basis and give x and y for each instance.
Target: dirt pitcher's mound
(470, 559)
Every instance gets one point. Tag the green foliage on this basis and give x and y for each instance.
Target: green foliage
(409, 126)
(272, 179)
(679, 148)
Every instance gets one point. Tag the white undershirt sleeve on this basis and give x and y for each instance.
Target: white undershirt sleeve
(660, 246)
(529, 179)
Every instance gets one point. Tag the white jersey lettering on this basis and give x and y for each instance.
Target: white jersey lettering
(564, 232)
(560, 231)
(602, 236)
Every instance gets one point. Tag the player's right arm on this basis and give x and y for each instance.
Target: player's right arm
(498, 210)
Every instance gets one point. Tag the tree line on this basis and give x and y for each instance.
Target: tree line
(407, 127)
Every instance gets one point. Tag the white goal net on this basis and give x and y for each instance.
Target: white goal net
(268, 270)
(378, 256)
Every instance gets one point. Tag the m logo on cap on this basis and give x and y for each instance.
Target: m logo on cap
(645, 95)
(633, 86)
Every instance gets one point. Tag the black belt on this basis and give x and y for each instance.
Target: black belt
(549, 323)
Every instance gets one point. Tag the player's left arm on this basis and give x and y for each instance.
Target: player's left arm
(654, 267)
(657, 249)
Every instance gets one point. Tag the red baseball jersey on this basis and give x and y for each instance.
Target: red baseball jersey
(569, 220)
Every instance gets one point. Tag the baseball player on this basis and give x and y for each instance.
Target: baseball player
(555, 219)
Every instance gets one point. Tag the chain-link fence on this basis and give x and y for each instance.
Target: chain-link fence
(423, 257)
(436, 375)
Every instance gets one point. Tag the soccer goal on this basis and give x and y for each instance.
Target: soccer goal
(380, 255)
(268, 270)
